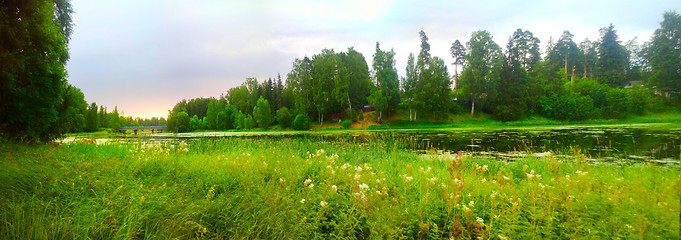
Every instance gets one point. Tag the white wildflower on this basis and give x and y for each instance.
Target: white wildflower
(307, 181)
(480, 220)
(302, 200)
(502, 237)
(506, 178)
(494, 194)
(408, 179)
(323, 204)
(311, 185)
(471, 204)
(357, 176)
(363, 187)
(334, 188)
(484, 180)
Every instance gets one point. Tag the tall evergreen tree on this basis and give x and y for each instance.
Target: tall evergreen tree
(664, 56)
(613, 59)
(458, 52)
(386, 81)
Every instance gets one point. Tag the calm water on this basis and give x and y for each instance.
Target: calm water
(619, 143)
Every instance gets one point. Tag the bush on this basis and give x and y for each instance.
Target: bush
(284, 117)
(262, 113)
(301, 122)
(346, 123)
(569, 107)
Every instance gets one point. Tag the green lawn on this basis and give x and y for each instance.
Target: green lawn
(311, 188)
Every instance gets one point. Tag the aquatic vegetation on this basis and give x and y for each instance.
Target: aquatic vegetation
(309, 188)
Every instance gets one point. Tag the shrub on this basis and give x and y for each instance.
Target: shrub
(284, 117)
(346, 123)
(301, 122)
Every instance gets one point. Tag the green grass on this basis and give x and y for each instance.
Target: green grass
(254, 188)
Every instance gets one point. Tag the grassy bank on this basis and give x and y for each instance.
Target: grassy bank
(307, 188)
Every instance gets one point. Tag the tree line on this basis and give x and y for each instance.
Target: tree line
(603, 78)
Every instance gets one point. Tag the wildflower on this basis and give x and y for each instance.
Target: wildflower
(334, 188)
(432, 180)
(494, 181)
(346, 165)
(378, 180)
(307, 181)
(302, 200)
(408, 179)
(465, 209)
(581, 173)
(358, 168)
(542, 186)
(293, 156)
(323, 204)
(281, 180)
(357, 176)
(502, 237)
(628, 226)
(506, 178)
(484, 180)
(458, 182)
(311, 185)
(484, 168)
(363, 187)
(494, 194)
(620, 179)
(329, 167)
(264, 163)
(480, 220)
(471, 204)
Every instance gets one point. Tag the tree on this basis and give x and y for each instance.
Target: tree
(481, 75)
(566, 55)
(301, 122)
(299, 81)
(387, 82)
(409, 88)
(71, 111)
(195, 123)
(358, 76)
(590, 55)
(115, 121)
(458, 52)
(91, 119)
(284, 117)
(613, 59)
(262, 113)
(32, 74)
(522, 53)
(424, 55)
(378, 99)
(432, 88)
(664, 56)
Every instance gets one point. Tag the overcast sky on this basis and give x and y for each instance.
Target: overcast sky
(145, 56)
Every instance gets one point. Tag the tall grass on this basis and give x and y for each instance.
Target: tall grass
(216, 188)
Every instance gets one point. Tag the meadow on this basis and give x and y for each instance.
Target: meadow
(310, 188)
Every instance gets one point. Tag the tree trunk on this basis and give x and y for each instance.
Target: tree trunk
(566, 64)
(473, 106)
(410, 117)
(456, 77)
(349, 103)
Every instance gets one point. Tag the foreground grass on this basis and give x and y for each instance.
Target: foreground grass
(309, 188)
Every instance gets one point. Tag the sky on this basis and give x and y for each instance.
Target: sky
(145, 56)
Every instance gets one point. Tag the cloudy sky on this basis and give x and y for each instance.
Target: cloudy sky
(144, 56)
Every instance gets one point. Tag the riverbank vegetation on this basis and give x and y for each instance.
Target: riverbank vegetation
(602, 79)
(306, 188)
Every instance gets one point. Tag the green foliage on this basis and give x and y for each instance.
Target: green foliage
(484, 62)
(262, 113)
(613, 59)
(346, 123)
(569, 107)
(91, 119)
(34, 92)
(284, 117)
(301, 122)
(249, 122)
(195, 123)
(179, 122)
(664, 56)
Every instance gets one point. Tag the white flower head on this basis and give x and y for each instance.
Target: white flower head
(302, 200)
(334, 188)
(323, 204)
(311, 185)
(480, 220)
